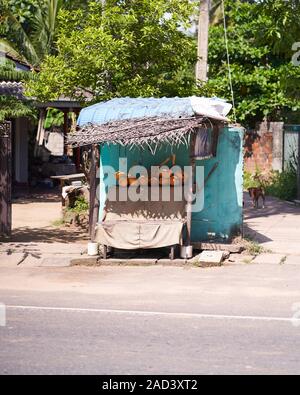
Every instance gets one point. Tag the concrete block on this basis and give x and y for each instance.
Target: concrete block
(174, 262)
(210, 257)
(55, 262)
(128, 262)
(85, 261)
(232, 248)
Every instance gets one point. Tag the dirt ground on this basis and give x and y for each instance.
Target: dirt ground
(37, 231)
(35, 218)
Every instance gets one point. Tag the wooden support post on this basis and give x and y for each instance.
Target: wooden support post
(172, 253)
(190, 191)
(40, 133)
(215, 138)
(65, 131)
(94, 183)
(5, 178)
(104, 252)
(298, 169)
(77, 159)
(63, 200)
(76, 151)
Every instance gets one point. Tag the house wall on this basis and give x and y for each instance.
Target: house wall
(263, 148)
(221, 216)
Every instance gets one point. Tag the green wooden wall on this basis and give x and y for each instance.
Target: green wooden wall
(221, 217)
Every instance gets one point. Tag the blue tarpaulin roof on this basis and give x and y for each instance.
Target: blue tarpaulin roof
(133, 120)
(129, 108)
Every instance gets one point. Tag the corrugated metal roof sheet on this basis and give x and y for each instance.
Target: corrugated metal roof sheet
(12, 88)
(128, 108)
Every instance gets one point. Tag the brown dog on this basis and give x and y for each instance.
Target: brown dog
(256, 193)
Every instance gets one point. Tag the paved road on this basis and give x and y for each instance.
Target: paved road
(151, 320)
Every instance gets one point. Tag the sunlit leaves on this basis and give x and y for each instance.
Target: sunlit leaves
(260, 38)
(125, 48)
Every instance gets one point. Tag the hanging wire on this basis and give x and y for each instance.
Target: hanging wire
(228, 62)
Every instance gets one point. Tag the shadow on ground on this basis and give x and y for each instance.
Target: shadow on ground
(268, 218)
(273, 207)
(250, 233)
(46, 235)
(22, 198)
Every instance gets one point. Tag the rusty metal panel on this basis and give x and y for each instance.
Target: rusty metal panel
(5, 178)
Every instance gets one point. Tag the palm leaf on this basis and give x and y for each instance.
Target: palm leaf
(216, 14)
(18, 38)
(44, 27)
(8, 48)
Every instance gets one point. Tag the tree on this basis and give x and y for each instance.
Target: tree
(260, 37)
(122, 48)
(28, 28)
(10, 106)
(8, 72)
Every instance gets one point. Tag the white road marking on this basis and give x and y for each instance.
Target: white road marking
(159, 313)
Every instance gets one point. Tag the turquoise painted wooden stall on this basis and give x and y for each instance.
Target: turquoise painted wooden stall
(221, 217)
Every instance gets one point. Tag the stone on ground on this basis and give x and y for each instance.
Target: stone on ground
(211, 257)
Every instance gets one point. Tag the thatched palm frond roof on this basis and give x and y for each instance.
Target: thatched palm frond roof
(137, 132)
(146, 121)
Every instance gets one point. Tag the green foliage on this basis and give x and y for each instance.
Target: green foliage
(24, 10)
(8, 72)
(283, 185)
(125, 48)
(256, 179)
(54, 118)
(11, 107)
(253, 247)
(250, 181)
(75, 4)
(28, 28)
(27, 31)
(139, 48)
(58, 222)
(80, 205)
(260, 38)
